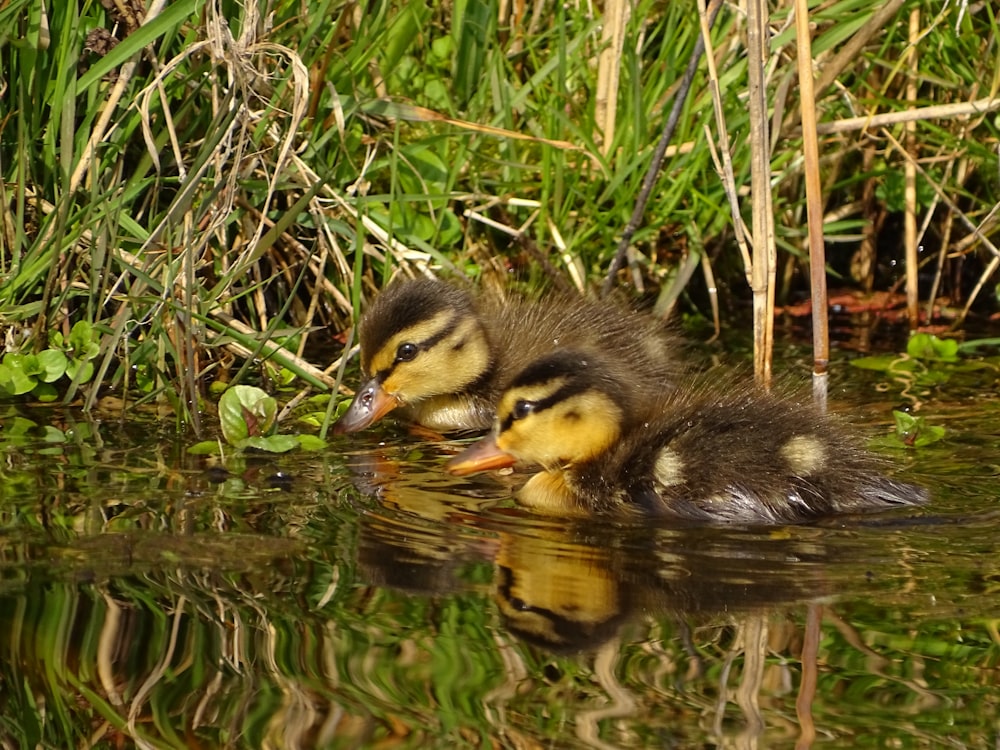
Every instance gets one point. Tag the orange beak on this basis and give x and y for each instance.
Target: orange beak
(370, 404)
(481, 456)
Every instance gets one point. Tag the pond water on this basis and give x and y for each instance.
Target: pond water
(360, 597)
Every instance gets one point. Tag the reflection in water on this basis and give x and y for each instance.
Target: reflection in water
(572, 587)
(407, 608)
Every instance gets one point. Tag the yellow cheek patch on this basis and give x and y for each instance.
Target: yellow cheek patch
(805, 454)
(422, 330)
(449, 364)
(571, 431)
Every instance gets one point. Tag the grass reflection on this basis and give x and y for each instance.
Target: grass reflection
(372, 600)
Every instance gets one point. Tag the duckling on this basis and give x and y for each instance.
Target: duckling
(722, 452)
(445, 355)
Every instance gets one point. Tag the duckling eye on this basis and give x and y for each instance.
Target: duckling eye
(407, 352)
(522, 409)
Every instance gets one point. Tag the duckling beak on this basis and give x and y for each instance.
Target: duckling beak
(370, 404)
(481, 456)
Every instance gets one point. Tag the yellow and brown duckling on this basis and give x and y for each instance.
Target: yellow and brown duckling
(725, 453)
(443, 355)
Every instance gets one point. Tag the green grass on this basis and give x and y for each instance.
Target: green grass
(215, 165)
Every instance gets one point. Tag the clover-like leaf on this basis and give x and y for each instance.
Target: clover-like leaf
(310, 442)
(929, 347)
(79, 370)
(246, 411)
(45, 392)
(205, 448)
(81, 341)
(271, 444)
(14, 374)
(915, 431)
(52, 365)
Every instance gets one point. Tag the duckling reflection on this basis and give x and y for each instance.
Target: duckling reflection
(572, 587)
(443, 356)
(559, 594)
(406, 539)
(720, 452)
(564, 592)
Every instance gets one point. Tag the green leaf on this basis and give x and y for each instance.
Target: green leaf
(45, 392)
(929, 347)
(51, 434)
(474, 31)
(80, 371)
(13, 377)
(53, 364)
(311, 442)
(974, 344)
(81, 341)
(79, 336)
(272, 444)
(30, 366)
(881, 363)
(18, 427)
(915, 431)
(205, 448)
(246, 411)
(403, 33)
(313, 418)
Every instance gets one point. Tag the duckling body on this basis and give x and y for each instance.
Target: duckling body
(443, 356)
(721, 452)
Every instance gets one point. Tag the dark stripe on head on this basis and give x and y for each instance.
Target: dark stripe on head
(580, 373)
(403, 303)
(427, 343)
(430, 341)
(562, 364)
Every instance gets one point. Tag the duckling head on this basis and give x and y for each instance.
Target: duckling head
(419, 339)
(561, 410)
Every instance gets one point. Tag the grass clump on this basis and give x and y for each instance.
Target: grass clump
(211, 185)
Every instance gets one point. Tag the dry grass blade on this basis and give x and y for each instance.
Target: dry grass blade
(722, 156)
(414, 113)
(936, 112)
(616, 14)
(764, 252)
(814, 205)
(910, 216)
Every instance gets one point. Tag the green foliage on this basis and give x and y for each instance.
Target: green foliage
(246, 412)
(247, 418)
(930, 348)
(915, 431)
(929, 361)
(36, 374)
(252, 188)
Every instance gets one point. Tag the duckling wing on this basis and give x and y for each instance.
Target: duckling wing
(740, 456)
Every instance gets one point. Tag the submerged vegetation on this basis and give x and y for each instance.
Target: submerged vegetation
(212, 187)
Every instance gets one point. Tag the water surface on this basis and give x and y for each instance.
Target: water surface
(360, 597)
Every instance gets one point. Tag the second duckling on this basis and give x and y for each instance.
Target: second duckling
(444, 355)
(724, 453)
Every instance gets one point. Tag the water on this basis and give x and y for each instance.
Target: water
(360, 597)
